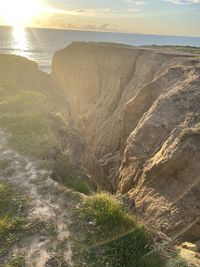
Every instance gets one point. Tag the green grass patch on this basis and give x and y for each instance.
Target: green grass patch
(35, 118)
(178, 261)
(69, 174)
(12, 220)
(24, 111)
(16, 261)
(52, 229)
(30, 133)
(112, 237)
(190, 49)
(14, 224)
(107, 214)
(186, 49)
(12, 203)
(126, 251)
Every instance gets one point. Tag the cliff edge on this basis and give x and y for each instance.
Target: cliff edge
(138, 110)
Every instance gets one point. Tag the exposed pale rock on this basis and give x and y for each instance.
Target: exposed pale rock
(190, 246)
(190, 257)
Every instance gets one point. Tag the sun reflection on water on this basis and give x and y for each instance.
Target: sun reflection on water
(19, 38)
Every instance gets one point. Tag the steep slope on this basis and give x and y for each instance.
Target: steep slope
(36, 112)
(47, 216)
(100, 79)
(38, 144)
(29, 102)
(160, 166)
(139, 108)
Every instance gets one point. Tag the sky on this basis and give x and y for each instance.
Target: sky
(167, 17)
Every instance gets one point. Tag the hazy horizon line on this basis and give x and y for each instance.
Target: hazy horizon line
(100, 31)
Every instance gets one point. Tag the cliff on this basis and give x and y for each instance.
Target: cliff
(41, 167)
(113, 117)
(138, 110)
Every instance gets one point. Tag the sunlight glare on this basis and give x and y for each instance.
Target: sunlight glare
(20, 12)
(19, 38)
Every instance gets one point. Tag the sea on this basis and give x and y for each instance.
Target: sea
(40, 44)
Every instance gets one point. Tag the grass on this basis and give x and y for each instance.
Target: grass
(178, 261)
(59, 258)
(112, 237)
(12, 220)
(191, 49)
(107, 214)
(15, 226)
(25, 115)
(69, 174)
(26, 108)
(187, 49)
(51, 229)
(39, 129)
(17, 261)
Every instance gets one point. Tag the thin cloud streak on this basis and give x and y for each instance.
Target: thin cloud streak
(183, 2)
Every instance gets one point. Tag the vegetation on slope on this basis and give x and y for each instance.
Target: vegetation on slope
(34, 119)
(24, 112)
(111, 236)
(187, 49)
(12, 218)
(70, 174)
(107, 234)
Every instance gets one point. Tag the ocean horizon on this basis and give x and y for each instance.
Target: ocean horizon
(40, 44)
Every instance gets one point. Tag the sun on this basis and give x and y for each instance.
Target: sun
(20, 12)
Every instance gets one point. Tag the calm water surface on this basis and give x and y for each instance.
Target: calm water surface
(40, 44)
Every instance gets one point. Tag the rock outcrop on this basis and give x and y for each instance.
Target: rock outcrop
(140, 109)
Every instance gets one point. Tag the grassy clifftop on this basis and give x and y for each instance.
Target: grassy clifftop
(26, 103)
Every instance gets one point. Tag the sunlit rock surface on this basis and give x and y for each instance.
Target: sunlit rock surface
(139, 112)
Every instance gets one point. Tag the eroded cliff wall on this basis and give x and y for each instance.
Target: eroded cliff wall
(139, 108)
(100, 79)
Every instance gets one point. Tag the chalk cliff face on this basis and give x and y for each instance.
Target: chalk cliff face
(140, 109)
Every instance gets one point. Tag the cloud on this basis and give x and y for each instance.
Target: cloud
(138, 2)
(183, 2)
(91, 11)
(132, 10)
(104, 26)
(63, 22)
(97, 12)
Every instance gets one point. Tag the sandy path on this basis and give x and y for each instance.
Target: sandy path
(46, 203)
